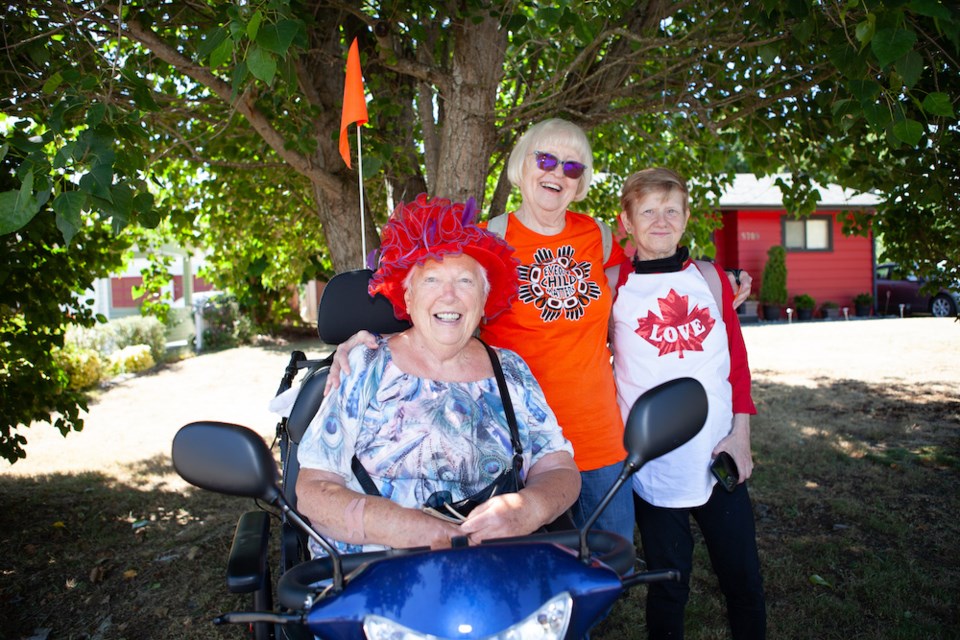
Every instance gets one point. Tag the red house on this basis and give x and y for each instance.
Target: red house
(821, 261)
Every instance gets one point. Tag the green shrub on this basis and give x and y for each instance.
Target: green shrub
(83, 367)
(804, 301)
(132, 359)
(773, 287)
(107, 338)
(224, 325)
(863, 299)
(142, 330)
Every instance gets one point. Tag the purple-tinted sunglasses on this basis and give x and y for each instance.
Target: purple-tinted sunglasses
(548, 162)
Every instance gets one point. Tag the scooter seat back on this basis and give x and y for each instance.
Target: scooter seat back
(346, 307)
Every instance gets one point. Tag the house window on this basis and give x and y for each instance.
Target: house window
(812, 234)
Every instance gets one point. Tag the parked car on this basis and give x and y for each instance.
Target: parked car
(896, 286)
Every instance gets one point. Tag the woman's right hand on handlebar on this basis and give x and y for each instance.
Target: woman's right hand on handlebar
(341, 362)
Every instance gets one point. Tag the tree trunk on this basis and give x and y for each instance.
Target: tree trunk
(468, 135)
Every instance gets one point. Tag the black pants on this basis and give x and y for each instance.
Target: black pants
(726, 521)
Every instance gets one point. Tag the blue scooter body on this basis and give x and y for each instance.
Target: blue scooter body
(468, 593)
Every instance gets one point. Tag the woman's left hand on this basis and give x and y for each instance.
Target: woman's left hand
(741, 284)
(553, 484)
(509, 514)
(737, 444)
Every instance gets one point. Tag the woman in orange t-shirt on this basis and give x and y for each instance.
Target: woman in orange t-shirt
(559, 322)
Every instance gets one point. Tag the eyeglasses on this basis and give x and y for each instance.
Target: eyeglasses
(549, 162)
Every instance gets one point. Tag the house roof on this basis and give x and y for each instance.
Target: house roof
(752, 192)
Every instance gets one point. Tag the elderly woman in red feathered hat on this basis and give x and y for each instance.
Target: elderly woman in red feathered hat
(433, 434)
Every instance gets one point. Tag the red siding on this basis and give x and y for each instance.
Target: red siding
(120, 295)
(122, 298)
(836, 275)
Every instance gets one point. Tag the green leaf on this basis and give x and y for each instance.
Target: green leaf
(12, 218)
(909, 131)
(847, 60)
(68, 206)
(97, 182)
(846, 112)
(211, 40)
(95, 114)
(819, 581)
(769, 53)
(938, 104)
(17, 208)
(866, 29)
(147, 214)
(910, 67)
(891, 44)
(222, 54)
(876, 114)
(864, 90)
(52, 83)
(253, 27)
(802, 31)
(277, 38)
(549, 15)
(262, 64)
(584, 29)
(516, 22)
(371, 166)
(931, 8)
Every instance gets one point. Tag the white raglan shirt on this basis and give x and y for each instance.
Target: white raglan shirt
(668, 326)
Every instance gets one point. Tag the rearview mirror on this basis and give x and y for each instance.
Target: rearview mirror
(664, 418)
(225, 458)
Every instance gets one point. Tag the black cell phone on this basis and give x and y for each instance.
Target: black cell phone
(724, 469)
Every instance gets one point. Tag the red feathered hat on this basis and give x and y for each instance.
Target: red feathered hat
(430, 229)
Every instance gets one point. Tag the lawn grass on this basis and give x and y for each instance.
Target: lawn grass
(856, 496)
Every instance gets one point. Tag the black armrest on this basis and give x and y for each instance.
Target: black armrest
(247, 564)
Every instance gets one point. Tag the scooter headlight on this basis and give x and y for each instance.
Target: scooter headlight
(549, 622)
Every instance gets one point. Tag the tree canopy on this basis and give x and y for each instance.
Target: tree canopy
(222, 118)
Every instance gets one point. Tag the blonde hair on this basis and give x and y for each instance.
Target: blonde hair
(554, 131)
(656, 180)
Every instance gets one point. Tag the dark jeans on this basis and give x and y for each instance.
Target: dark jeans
(726, 521)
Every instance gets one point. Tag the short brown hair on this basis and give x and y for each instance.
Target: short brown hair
(656, 180)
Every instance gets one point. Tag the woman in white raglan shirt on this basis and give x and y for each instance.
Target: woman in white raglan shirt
(674, 318)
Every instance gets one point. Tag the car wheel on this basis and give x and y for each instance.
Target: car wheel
(942, 306)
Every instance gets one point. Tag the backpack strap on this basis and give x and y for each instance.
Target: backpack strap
(709, 272)
(498, 225)
(606, 237)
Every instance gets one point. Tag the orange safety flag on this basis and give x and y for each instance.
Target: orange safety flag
(354, 102)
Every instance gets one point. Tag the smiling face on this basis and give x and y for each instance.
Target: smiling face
(445, 299)
(548, 193)
(655, 222)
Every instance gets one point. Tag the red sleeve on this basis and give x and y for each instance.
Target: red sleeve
(626, 268)
(739, 367)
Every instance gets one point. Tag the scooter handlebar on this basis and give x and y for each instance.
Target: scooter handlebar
(299, 583)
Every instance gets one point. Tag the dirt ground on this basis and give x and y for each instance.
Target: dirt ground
(105, 541)
(137, 418)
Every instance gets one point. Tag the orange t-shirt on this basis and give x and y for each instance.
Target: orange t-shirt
(558, 325)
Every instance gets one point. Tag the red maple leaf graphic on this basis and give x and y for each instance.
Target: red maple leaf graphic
(678, 330)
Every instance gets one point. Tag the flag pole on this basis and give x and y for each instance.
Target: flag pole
(363, 227)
